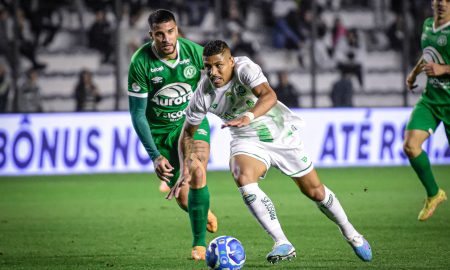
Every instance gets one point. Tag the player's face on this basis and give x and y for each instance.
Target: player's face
(441, 9)
(165, 37)
(219, 68)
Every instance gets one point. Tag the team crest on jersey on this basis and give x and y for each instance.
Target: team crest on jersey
(189, 72)
(157, 80)
(442, 40)
(135, 87)
(240, 91)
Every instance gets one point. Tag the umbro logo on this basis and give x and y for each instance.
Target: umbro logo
(157, 69)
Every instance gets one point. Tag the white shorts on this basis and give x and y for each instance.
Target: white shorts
(289, 157)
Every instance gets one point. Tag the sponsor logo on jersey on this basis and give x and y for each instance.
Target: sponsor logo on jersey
(430, 54)
(184, 61)
(439, 82)
(156, 80)
(201, 131)
(135, 87)
(173, 94)
(189, 72)
(157, 69)
(442, 40)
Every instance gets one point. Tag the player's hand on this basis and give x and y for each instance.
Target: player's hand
(434, 70)
(163, 168)
(410, 82)
(238, 122)
(184, 178)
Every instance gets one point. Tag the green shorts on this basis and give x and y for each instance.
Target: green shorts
(427, 117)
(168, 146)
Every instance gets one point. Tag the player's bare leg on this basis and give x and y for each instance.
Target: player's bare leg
(327, 202)
(246, 172)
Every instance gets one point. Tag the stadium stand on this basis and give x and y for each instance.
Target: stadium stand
(383, 77)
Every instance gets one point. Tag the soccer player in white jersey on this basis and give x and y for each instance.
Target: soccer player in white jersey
(264, 133)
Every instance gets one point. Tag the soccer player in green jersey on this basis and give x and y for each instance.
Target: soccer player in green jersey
(434, 105)
(162, 77)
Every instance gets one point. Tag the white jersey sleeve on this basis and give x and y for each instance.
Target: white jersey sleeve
(249, 73)
(198, 107)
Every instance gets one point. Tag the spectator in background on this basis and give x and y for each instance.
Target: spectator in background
(284, 36)
(26, 47)
(338, 31)
(5, 85)
(350, 54)
(86, 93)
(42, 15)
(30, 93)
(100, 36)
(396, 33)
(286, 92)
(342, 90)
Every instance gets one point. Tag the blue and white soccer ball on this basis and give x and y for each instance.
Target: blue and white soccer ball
(225, 253)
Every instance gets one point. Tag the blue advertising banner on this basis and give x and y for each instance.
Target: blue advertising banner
(67, 143)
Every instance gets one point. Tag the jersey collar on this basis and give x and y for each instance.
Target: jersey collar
(440, 27)
(169, 64)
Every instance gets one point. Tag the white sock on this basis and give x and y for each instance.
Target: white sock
(263, 210)
(332, 208)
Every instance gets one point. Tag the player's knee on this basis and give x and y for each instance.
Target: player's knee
(315, 193)
(410, 149)
(198, 173)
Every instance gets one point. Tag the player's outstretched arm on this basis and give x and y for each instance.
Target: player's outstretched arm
(266, 100)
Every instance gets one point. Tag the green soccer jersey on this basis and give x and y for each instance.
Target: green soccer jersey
(167, 85)
(436, 48)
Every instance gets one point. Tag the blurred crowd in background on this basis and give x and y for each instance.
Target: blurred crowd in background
(71, 53)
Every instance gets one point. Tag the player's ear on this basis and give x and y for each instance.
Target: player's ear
(232, 61)
(150, 33)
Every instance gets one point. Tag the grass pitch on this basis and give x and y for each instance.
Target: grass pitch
(123, 222)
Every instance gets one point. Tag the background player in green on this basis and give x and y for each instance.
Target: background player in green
(434, 105)
(161, 80)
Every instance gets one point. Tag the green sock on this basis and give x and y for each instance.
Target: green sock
(422, 167)
(198, 206)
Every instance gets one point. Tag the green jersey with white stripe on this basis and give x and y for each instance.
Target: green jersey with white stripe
(436, 48)
(167, 85)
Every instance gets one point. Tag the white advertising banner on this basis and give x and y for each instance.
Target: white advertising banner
(66, 143)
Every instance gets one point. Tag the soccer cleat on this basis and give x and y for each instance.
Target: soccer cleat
(198, 253)
(163, 187)
(430, 205)
(361, 247)
(281, 252)
(212, 224)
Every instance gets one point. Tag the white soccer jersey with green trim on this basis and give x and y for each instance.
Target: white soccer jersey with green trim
(235, 98)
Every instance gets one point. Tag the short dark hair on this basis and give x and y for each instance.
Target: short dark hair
(160, 16)
(215, 47)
